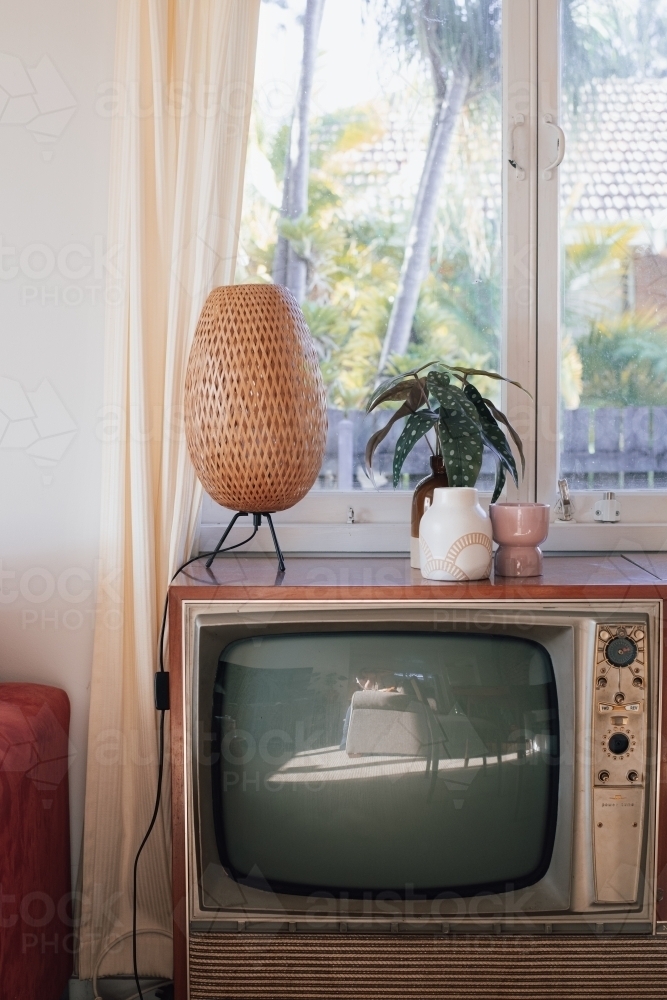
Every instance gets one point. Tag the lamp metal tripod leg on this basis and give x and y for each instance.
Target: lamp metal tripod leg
(241, 513)
(281, 561)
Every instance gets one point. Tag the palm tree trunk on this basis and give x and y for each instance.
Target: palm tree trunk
(279, 274)
(417, 255)
(289, 268)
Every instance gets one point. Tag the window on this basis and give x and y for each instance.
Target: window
(612, 217)
(483, 182)
(394, 247)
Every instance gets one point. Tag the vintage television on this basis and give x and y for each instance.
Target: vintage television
(414, 768)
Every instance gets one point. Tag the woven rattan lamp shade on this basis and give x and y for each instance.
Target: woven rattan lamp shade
(255, 408)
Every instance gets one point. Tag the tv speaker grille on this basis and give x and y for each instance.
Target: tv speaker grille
(328, 967)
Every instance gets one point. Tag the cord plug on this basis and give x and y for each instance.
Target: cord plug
(162, 691)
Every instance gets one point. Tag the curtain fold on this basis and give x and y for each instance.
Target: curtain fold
(181, 103)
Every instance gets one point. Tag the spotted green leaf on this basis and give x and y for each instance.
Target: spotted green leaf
(414, 399)
(437, 381)
(500, 481)
(492, 435)
(462, 448)
(453, 402)
(502, 419)
(395, 389)
(415, 427)
(482, 371)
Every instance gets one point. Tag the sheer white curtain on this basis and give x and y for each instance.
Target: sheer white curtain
(181, 103)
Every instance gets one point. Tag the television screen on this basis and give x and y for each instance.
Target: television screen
(404, 762)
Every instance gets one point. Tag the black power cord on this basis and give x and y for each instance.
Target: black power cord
(162, 706)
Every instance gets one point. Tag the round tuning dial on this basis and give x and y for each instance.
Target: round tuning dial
(619, 743)
(621, 651)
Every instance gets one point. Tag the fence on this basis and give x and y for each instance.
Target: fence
(606, 448)
(614, 447)
(343, 466)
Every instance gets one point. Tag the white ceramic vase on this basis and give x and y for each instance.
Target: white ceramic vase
(455, 537)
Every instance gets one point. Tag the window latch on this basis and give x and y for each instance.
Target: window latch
(549, 120)
(564, 509)
(517, 121)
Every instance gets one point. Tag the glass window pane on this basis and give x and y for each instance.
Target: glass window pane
(373, 191)
(613, 220)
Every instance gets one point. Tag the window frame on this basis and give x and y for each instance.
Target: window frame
(530, 341)
(643, 522)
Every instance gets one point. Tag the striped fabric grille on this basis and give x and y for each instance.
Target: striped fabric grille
(282, 967)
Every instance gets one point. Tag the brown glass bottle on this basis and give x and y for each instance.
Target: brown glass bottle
(424, 489)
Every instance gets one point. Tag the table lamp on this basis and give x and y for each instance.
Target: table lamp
(255, 405)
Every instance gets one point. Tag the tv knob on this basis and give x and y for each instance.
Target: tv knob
(621, 651)
(618, 743)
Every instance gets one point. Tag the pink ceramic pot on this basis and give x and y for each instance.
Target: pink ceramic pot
(519, 528)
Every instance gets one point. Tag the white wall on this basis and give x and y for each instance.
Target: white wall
(54, 156)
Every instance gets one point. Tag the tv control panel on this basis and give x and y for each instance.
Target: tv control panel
(619, 759)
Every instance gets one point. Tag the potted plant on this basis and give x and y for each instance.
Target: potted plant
(441, 397)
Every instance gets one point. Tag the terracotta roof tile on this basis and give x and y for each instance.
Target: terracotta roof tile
(615, 167)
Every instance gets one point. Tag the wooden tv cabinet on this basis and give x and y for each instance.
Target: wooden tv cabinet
(349, 967)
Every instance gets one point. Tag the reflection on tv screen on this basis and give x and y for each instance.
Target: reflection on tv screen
(385, 761)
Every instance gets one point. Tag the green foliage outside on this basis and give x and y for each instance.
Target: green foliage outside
(613, 355)
(354, 234)
(353, 239)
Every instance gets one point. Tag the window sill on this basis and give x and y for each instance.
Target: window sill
(393, 539)
(382, 525)
(582, 536)
(389, 539)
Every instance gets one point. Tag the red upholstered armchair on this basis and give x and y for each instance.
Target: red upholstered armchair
(36, 926)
